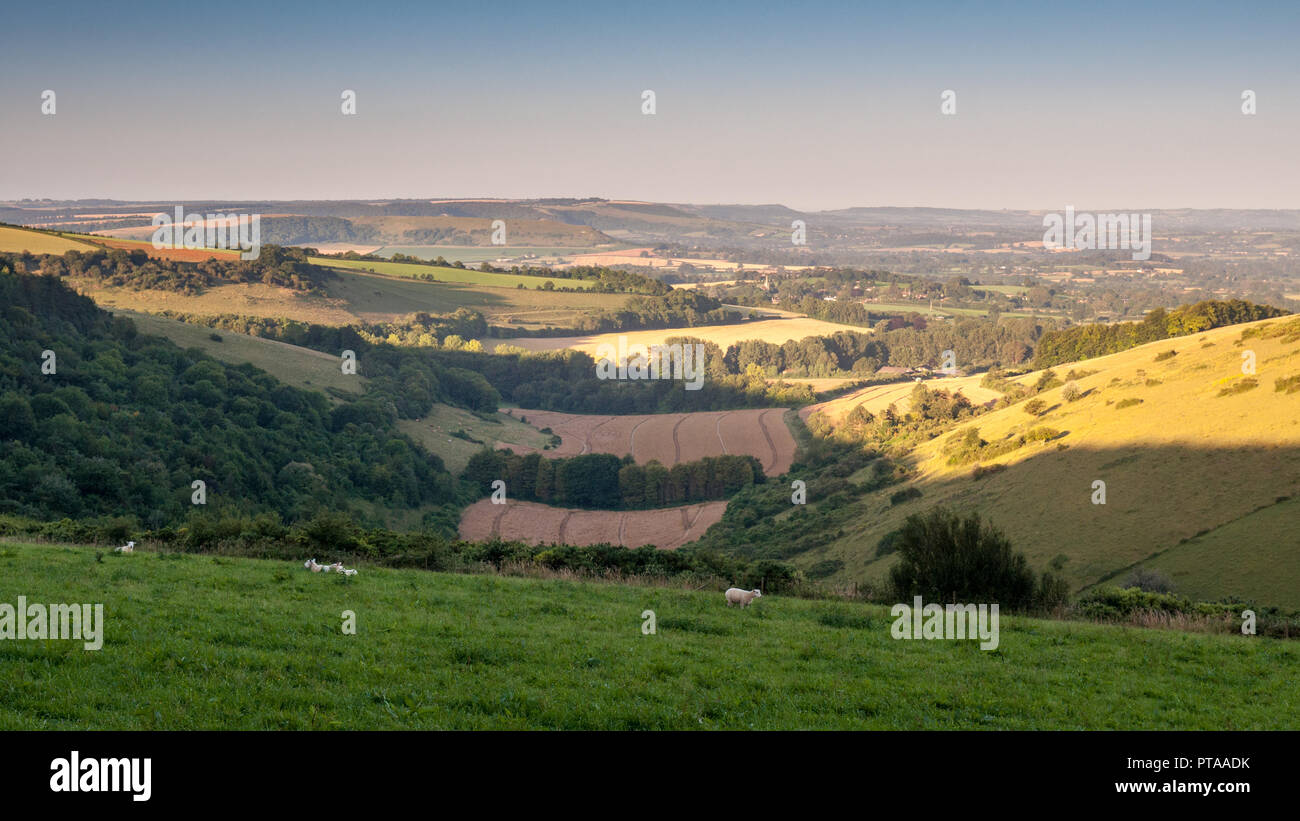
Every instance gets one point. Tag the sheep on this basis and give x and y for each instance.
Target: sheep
(129, 547)
(741, 597)
(337, 567)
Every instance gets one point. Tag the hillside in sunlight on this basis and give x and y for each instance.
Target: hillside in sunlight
(1200, 460)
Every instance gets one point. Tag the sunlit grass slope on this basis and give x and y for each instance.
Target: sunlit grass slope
(196, 641)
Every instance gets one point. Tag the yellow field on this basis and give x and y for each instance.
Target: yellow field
(17, 240)
(1183, 462)
(776, 331)
(878, 397)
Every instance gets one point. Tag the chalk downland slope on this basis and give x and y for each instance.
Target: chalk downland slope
(1198, 460)
(291, 364)
(876, 398)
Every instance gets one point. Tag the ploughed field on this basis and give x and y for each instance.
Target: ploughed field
(670, 438)
(535, 523)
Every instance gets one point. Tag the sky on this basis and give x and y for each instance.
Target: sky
(812, 105)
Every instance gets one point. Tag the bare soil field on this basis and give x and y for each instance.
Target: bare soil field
(667, 528)
(670, 438)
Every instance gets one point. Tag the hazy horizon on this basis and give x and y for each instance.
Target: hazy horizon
(755, 104)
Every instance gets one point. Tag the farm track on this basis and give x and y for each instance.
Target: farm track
(767, 434)
(496, 522)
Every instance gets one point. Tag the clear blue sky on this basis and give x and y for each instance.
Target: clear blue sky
(814, 105)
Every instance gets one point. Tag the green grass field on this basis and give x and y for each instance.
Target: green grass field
(441, 274)
(197, 641)
(301, 367)
(1212, 566)
(435, 433)
(924, 309)
(374, 297)
(479, 253)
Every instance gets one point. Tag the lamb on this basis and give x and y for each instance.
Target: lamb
(311, 565)
(741, 597)
(129, 547)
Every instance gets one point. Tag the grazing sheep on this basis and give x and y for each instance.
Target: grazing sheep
(337, 567)
(741, 597)
(129, 547)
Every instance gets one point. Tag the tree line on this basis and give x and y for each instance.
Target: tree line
(1087, 341)
(607, 482)
(135, 269)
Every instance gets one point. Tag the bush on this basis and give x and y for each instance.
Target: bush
(1150, 581)
(981, 471)
(1035, 407)
(947, 558)
(1071, 392)
(904, 496)
(1161, 357)
(1244, 385)
(1128, 403)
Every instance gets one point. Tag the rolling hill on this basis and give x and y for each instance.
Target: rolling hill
(1201, 464)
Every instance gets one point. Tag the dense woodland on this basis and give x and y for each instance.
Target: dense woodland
(1087, 341)
(126, 423)
(285, 267)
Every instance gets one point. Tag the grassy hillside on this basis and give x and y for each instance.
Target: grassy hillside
(291, 364)
(448, 274)
(1197, 451)
(435, 433)
(478, 253)
(197, 641)
(361, 297)
(17, 240)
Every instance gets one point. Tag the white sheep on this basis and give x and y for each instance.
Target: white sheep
(129, 547)
(741, 597)
(348, 572)
(311, 565)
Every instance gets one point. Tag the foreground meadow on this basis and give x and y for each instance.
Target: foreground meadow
(201, 641)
